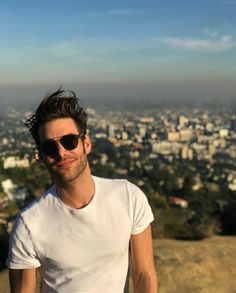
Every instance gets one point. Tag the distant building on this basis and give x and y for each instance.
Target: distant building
(211, 149)
(134, 154)
(163, 147)
(231, 178)
(153, 136)
(121, 171)
(148, 167)
(223, 132)
(182, 121)
(124, 135)
(100, 135)
(233, 124)
(142, 131)
(103, 159)
(5, 141)
(186, 153)
(198, 183)
(12, 192)
(8, 186)
(173, 136)
(111, 130)
(232, 185)
(13, 162)
(219, 143)
(186, 134)
(178, 201)
(147, 119)
(210, 127)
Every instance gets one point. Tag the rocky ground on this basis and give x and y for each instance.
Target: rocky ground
(207, 266)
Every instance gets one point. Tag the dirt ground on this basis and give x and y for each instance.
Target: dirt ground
(207, 266)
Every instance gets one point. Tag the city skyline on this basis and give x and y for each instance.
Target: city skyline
(115, 49)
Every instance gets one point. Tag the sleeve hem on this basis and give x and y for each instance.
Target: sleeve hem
(143, 227)
(22, 267)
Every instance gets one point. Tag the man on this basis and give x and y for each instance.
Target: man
(80, 231)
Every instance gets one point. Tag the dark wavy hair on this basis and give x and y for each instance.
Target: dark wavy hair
(60, 104)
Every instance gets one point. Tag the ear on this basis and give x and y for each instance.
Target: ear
(87, 144)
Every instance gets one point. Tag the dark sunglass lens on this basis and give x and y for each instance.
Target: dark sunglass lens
(50, 147)
(69, 141)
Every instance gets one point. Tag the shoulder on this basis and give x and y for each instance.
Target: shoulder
(118, 186)
(109, 181)
(35, 217)
(38, 204)
(125, 195)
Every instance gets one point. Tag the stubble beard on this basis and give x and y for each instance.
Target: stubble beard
(75, 171)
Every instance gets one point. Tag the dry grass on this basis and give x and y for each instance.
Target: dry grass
(207, 266)
(4, 288)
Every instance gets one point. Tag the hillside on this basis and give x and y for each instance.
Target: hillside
(206, 266)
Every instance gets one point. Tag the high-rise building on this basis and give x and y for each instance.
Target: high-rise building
(233, 123)
(182, 121)
(111, 130)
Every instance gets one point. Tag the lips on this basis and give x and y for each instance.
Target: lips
(66, 163)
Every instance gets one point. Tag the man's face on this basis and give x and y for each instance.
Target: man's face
(65, 165)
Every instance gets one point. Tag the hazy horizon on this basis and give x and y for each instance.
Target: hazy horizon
(191, 93)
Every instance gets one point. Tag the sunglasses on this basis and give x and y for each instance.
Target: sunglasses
(69, 142)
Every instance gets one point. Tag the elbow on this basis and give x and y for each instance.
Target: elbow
(145, 282)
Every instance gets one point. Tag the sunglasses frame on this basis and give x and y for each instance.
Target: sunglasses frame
(55, 144)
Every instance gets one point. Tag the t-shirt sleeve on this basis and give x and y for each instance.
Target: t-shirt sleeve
(21, 250)
(142, 214)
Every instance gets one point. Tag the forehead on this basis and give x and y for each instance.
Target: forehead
(57, 127)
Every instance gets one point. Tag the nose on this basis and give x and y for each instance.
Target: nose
(61, 150)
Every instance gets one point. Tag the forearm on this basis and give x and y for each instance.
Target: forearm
(145, 283)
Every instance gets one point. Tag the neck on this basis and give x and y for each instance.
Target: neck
(77, 193)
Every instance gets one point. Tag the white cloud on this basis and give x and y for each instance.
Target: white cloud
(120, 12)
(219, 44)
(211, 33)
(117, 12)
(93, 49)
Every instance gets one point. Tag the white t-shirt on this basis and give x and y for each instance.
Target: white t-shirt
(81, 250)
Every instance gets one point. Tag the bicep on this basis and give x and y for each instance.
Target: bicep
(22, 281)
(141, 248)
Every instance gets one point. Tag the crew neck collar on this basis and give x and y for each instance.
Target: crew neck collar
(82, 209)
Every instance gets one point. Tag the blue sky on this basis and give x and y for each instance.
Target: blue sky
(59, 42)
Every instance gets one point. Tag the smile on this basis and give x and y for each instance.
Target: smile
(65, 163)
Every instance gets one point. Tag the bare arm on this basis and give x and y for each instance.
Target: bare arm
(22, 281)
(143, 267)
